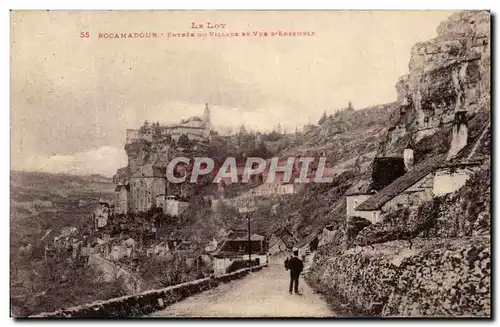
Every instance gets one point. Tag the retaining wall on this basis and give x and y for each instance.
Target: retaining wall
(432, 278)
(146, 302)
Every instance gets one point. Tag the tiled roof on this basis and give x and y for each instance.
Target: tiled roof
(308, 239)
(285, 236)
(244, 237)
(376, 201)
(275, 240)
(360, 193)
(235, 254)
(239, 235)
(118, 188)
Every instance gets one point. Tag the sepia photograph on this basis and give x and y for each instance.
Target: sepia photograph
(250, 164)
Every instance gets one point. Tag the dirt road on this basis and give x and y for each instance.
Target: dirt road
(260, 294)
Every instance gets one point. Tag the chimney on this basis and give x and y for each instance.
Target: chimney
(408, 155)
(459, 134)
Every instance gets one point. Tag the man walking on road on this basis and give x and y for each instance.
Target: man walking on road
(295, 266)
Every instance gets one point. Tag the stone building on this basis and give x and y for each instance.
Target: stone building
(195, 128)
(277, 245)
(174, 206)
(146, 184)
(411, 189)
(436, 176)
(307, 247)
(143, 183)
(353, 200)
(147, 189)
(235, 248)
(101, 214)
(122, 198)
(452, 175)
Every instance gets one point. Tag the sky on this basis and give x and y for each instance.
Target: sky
(72, 98)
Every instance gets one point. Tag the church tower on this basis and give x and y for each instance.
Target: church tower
(206, 121)
(206, 116)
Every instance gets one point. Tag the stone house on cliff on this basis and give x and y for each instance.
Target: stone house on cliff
(101, 214)
(195, 128)
(452, 175)
(173, 206)
(122, 198)
(147, 189)
(436, 176)
(146, 184)
(142, 185)
(308, 245)
(411, 189)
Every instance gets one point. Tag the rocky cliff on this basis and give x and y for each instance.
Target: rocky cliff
(432, 260)
(447, 74)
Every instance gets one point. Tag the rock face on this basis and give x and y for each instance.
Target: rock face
(447, 74)
(432, 260)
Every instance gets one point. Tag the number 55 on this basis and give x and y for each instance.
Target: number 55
(84, 35)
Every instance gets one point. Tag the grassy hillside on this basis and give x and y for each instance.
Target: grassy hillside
(42, 204)
(43, 201)
(343, 136)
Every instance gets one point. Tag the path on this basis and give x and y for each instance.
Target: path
(261, 294)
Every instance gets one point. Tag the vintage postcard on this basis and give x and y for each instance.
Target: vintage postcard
(250, 164)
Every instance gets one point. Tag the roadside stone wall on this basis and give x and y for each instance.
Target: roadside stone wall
(146, 302)
(444, 282)
(433, 278)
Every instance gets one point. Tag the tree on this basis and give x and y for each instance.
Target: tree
(260, 151)
(323, 118)
(243, 130)
(157, 128)
(350, 107)
(278, 128)
(184, 141)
